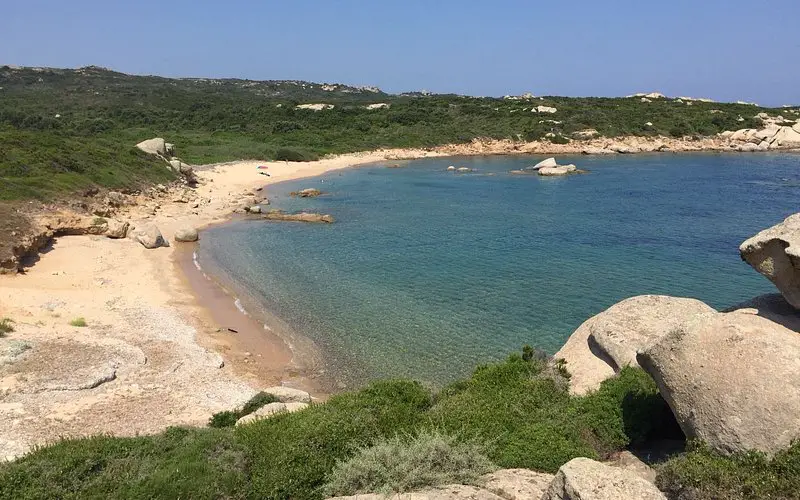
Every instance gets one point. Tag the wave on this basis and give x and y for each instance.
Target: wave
(240, 307)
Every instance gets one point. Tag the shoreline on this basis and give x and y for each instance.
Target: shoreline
(152, 346)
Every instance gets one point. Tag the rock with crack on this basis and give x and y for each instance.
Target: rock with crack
(607, 342)
(731, 379)
(150, 237)
(585, 479)
(775, 253)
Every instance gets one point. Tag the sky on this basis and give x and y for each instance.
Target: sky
(726, 50)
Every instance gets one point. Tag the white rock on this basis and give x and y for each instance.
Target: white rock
(585, 479)
(153, 146)
(549, 162)
(289, 395)
(544, 109)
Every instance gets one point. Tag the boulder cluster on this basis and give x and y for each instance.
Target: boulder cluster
(549, 168)
(732, 379)
(166, 151)
(776, 134)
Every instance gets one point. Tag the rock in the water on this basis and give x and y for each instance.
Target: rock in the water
(732, 380)
(150, 237)
(451, 168)
(517, 484)
(556, 171)
(255, 209)
(307, 193)
(156, 146)
(116, 229)
(585, 479)
(186, 234)
(607, 342)
(550, 162)
(463, 169)
(289, 395)
(298, 217)
(775, 253)
(773, 307)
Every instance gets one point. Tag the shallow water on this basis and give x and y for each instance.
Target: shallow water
(427, 273)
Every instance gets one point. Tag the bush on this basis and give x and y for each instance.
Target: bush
(6, 326)
(78, 322)
(285, 154)
(704, 474)
(229, 418)
(401, 464)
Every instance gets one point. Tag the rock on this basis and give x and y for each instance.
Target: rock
(550, 162)
(622, 148)
(544, 109)
(271, 409)
(379, 105)
(150, 237)
(796, 127)
(732, 380)
(298, 217)
(176, 165)
(463, 169)
(451, 168)
(741, 135)
(186, 234)
(773, 307)
(169, 149)
(255, 209)
(767, 133)
(585, 479)
(775, 253)
(306, 193)
(748, 147)
(608, 341)
(556, 171)
(156, 146)
(289, 395)
(786, 137)
(517, 484)
(630, 462)
(116, 229)
(592, 150)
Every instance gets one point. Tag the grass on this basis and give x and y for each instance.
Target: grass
(515, 411)
(78, 322)
(408, 463)
(6, 326)
(229, 418)
(703, 474)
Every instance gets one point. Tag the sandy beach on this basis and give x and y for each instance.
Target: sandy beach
(151, 356)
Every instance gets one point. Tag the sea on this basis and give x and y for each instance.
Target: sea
(428, 273)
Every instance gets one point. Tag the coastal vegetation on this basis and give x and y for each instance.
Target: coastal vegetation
(62, 131)
(513, 414)
(229, 418)
(6, 326)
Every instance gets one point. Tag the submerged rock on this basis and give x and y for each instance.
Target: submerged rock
(306, 193)
(775, 253)
(298, 217)
(560, 170)
(550, 162)
(731, 379)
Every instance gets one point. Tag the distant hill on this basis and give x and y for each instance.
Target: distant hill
(62, 130)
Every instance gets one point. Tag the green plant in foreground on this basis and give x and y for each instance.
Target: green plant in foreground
(78, 322)
(6, 326)
(407, 463)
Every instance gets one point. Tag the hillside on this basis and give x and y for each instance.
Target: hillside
(62, 130)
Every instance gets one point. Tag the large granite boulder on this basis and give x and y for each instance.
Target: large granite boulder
(549, 162)
(775, 253)
(155, 146)
(731, 379)
(607, 342)
(557, 171)
(585, 479)
(773, 307)
(150, 237)
(116, 229)
(517, 484)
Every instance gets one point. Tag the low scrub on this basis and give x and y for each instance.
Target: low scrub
(78, 322)
(229, 418)
(407, 463)
(286, 154)
(704, 474)
(6, 326)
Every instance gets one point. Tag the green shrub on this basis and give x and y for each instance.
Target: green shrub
(224, 419)
(406, 463)
(702, 474)
(6, 326)
(292, 453)
(229, 418)
(78, 322)
(286, 154)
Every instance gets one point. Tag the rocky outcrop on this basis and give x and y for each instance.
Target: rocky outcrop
(289, 395)
(186, 234)
(280, 215)
(155, 146)
(271, 409)
(549, 163)
(773, 307)
(607, 342)
(557, 171)
(314, 107)
(544, 109)
(306, 193)
(775, 253)
(731, 379)
(585, 479)
(150, 237)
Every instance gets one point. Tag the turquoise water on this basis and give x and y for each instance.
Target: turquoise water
(427, 273)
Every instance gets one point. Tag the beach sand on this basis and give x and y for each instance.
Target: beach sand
(156, 351)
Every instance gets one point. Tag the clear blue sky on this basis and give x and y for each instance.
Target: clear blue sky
(727, 50)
